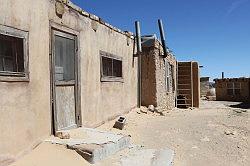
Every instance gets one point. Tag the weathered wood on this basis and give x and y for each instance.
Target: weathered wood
(65, 94)
(65, 106)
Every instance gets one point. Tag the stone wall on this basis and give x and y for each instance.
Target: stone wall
(221, 89)
(154, 78)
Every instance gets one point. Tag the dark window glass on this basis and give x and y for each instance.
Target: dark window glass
(64, 59)
(107, 66)
(11, 54)
(236, 85)
(237, 91)
(117, 68)
(230, 85)
(230, 91)
(111, 67)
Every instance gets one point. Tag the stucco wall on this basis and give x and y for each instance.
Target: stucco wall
(154, 69)
(25, 106)
(148, 76)
(221, 90)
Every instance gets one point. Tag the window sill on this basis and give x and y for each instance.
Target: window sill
(14, 78)
(112, 79)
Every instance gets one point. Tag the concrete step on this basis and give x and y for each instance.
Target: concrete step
(92, 144)
(98, 146)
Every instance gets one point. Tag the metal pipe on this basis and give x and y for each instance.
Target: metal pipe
(138, 36)
(139, 51)
(222, 75)
(163, 39)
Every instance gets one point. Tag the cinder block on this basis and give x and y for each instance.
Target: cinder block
(120, 123)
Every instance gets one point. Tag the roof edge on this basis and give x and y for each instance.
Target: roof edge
(94, 17)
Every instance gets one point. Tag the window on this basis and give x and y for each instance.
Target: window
(233, 88)
(173, 81)
(168, 76)
(13, 54)
(64, 58)
(111, 67)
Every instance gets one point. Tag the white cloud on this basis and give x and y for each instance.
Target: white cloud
(235, 5)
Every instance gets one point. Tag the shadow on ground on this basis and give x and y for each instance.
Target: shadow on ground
(243, 105)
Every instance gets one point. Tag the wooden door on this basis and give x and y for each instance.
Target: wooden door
(64, 80)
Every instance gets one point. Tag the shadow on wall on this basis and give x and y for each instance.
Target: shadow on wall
(243, 105)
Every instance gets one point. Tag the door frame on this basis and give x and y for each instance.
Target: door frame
(66, 31)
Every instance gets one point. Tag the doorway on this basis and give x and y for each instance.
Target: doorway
(64, 75)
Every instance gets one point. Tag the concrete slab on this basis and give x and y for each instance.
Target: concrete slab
(92, 144)
(149, 157)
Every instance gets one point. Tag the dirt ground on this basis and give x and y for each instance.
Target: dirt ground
(215, 134)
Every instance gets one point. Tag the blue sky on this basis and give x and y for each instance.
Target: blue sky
(216, 33)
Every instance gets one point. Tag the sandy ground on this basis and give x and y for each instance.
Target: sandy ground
(215, 134)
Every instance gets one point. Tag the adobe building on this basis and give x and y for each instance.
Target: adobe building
(204, 86)
(188, 85)
(233, 89)
(158, 75)
(60, 68)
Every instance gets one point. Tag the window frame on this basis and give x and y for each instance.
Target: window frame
(172, 80)
(233, 88)
(8, 76)
(168, 76)
(110, 78)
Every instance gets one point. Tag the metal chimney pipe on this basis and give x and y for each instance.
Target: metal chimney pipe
(138, 36)
(139, 51)
(222, 75)
(163, 40)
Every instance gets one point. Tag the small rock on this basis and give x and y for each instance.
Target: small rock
(238, 111)
(244, 110)
(228, 132)
(165, 113)
(151, 108)
(144, 111)
(205, 139)
(234, 132)
(62, 135)
(157, 109)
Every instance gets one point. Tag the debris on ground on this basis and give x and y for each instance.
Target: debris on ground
(62, 135)
(205, 139)
(197, 137)
(120, 123)
(229, 132)
(151, 108)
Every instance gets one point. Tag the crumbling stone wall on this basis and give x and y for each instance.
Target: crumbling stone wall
(204, 83)
(221, 90)
(154, 78)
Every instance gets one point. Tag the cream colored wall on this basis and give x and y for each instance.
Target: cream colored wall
(102, 100)
(25, 106)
